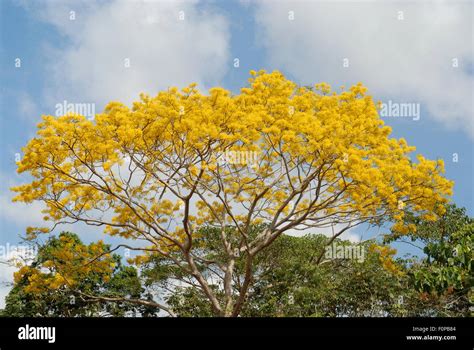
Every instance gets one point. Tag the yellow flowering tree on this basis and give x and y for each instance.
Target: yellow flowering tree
(277, 154)
(66, 262)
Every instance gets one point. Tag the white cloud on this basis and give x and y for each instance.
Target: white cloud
(6, 280)
(163, 50)
(15, 217)
(409, 60)
(327, 230)
(18, 214)
(9, 256)
(27, 108)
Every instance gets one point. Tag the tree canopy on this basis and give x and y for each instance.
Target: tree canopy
(69, 278)
(277, 154)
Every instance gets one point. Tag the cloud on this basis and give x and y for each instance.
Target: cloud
(328, 231)
(161, 49)
(9, 256)
(27, 107)
(399, 50)
(6, 280)
(15, 217)
(19, 214)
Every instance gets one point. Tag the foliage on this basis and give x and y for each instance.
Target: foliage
(290, 282)
(446, 276)
(292, 277)
(276, 154)
(63, 273)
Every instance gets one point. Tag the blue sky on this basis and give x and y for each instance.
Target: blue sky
(413, 52)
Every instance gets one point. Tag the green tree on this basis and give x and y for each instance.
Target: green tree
(294, 278)
(444, 277)
(95, 293)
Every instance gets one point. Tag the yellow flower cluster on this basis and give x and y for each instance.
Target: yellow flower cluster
(173, 139)
(386, 255)
(67, 264)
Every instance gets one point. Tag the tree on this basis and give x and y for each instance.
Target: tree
(290, 282)
(445, 275)
(451, 221)
(275, 154)
(64, 273)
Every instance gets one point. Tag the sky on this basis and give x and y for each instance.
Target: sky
(417, 54)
